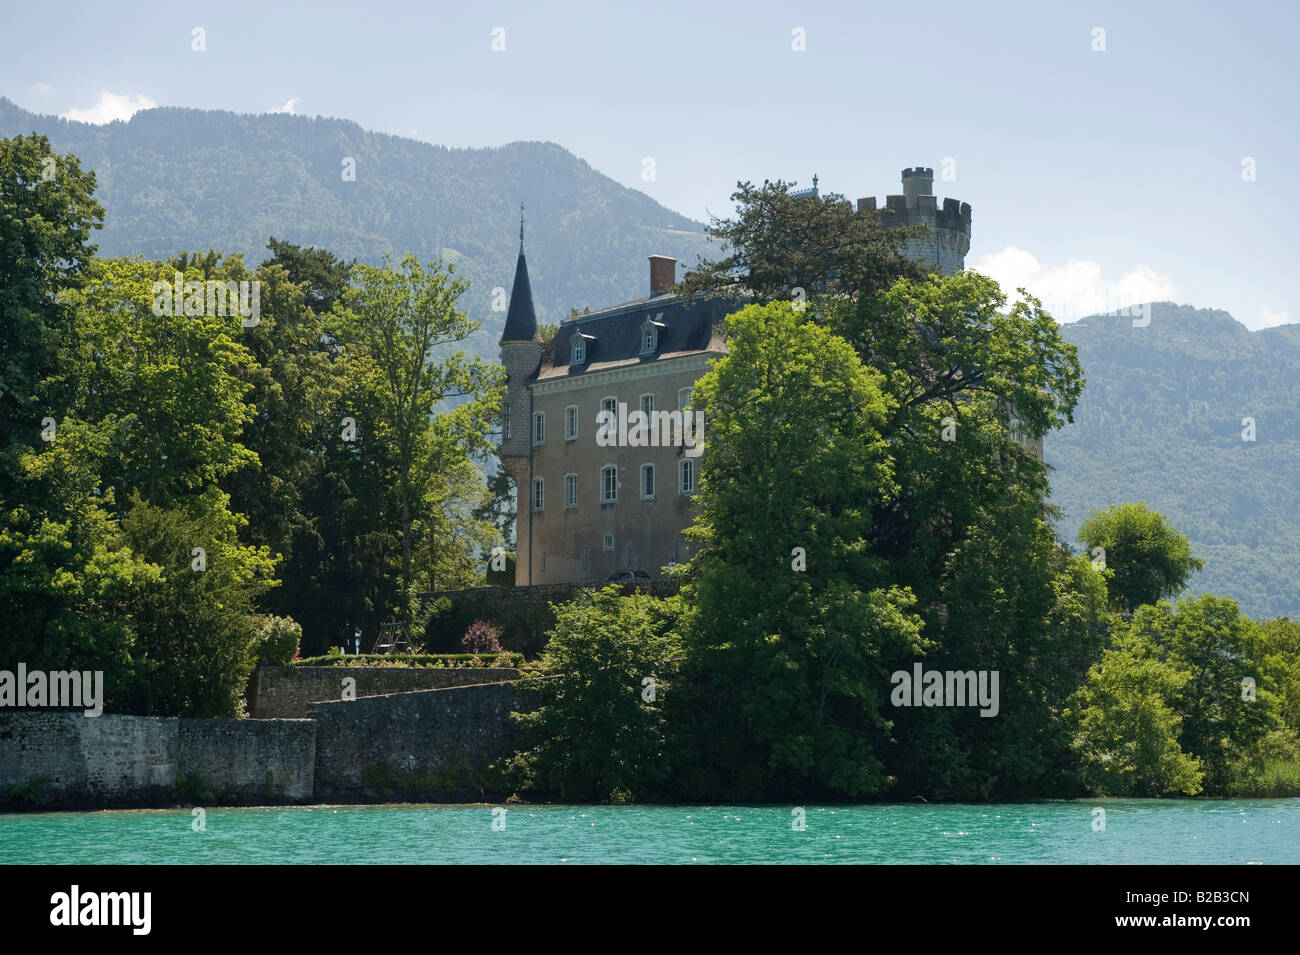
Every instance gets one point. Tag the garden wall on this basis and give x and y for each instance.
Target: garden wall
(288, 692)
(436, 745)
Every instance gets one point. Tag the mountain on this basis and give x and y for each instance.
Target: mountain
(1161, 421)
(185, 179)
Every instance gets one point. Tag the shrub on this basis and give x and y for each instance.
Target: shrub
(278, 639)
(481, 637)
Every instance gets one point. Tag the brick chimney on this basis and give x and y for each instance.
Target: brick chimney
(663, 274)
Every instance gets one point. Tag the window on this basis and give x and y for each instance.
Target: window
(570, 490)
(647, 482)
(539, 495)
(570, 422)
(608, 543)
(610, 405)
(579, 349)
(647, 406)
(539, 428)
(684, 398)
(586, 559)
(686, 476)
(505, 423)
(649, 339)
(608, 484)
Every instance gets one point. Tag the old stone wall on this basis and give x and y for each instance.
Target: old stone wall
(67, 760)
(288, 692)
(70, 761)
(427, 745)
(253, 762)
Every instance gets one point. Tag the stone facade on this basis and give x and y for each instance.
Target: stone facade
(288, 692)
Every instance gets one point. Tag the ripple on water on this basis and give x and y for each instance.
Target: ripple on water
(1136, 831)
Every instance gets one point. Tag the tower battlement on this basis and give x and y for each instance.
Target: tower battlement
(949, 224)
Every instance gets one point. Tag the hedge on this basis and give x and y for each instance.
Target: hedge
(413, 660)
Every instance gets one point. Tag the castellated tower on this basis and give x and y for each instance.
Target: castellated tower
(521, 355)
(949, 227)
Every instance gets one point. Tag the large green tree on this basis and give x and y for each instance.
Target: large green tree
(433, 406)
(1148, 559)
(66, 575)
(793, 614)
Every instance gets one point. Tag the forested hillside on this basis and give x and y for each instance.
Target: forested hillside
(184, 179)
(1161, 421)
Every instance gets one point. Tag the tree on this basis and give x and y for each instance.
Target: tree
(66, 576)
(792, 614)
(1209, 639)
(47, 212)
(777, 243)
(597, 731)
(197, 638)
(1127, 737)
(323, 275)
(1149, 560)
(402, 322)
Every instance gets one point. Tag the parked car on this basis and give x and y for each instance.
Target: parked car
(626, 576)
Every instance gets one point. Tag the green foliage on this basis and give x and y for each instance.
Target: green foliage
(597, 733)
(277, 641)
(196, 634)
(1147, 559)
(817, 244)
(1209, 639)
(785, 664)
(1128, 732)
(1166, 710)
(399, 324)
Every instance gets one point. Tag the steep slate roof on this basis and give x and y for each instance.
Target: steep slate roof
(521, 319)
(688, 328)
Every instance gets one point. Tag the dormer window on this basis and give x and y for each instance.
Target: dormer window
(581, 345)
(650, 334)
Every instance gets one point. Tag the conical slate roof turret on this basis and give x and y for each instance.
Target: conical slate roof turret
(521, 319)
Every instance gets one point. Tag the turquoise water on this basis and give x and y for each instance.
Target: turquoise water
(1136, 831)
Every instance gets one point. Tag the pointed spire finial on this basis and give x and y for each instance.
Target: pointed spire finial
(521, 228)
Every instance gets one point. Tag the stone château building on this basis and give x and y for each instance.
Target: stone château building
(586, 505)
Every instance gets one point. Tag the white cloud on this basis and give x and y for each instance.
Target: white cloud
(110, 106)
(1076, 289)
(290, 107)
(1268, 318)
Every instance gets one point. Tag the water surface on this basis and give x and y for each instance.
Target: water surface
(1136, 831)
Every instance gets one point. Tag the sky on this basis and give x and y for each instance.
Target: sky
(1111, 152)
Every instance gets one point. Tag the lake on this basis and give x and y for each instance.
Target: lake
(1175, 831)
